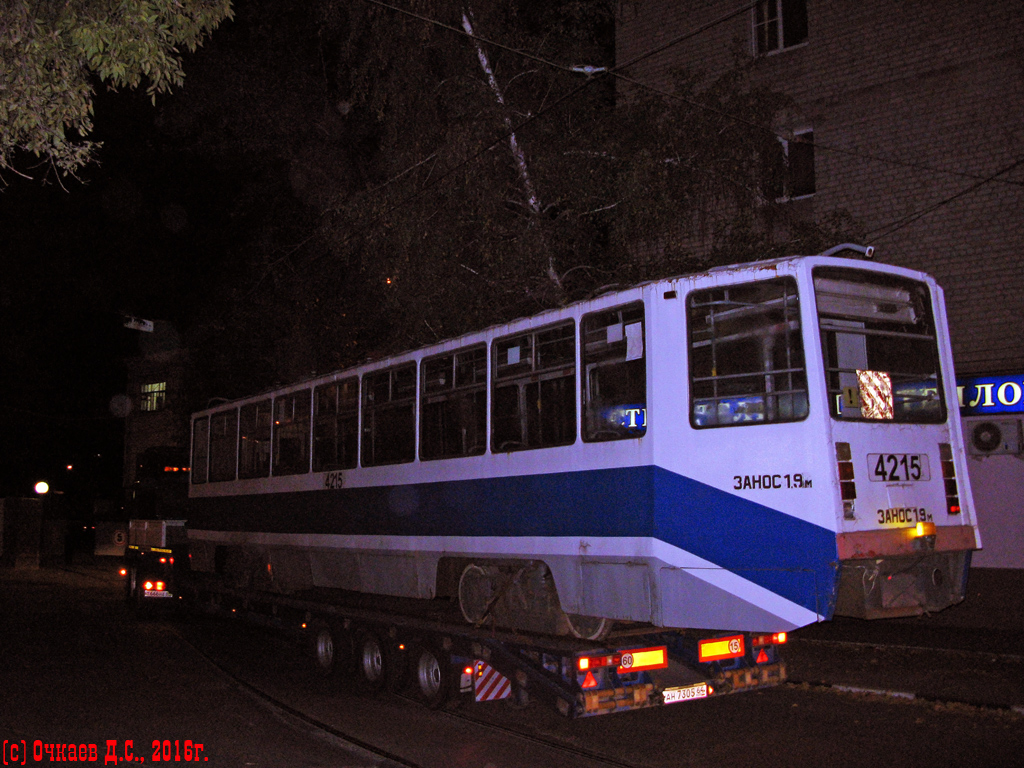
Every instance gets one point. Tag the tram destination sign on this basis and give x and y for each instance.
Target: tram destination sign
(991, 394)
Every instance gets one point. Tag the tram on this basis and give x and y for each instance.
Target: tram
(753, 448)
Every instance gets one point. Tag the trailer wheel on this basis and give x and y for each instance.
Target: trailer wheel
(327, 649)
(372, 662)
(433, 677)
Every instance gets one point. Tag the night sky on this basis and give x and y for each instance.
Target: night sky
(139, 233)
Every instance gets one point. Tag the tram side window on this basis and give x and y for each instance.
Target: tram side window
(746, 355)
(291, 433)
(336, 425)
(389, 416)
(534, 403)
(200, 450)
(615, 374)
(454, 405)
(254, 440)
(223, 445)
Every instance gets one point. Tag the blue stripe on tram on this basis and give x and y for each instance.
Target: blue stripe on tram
(789, 556)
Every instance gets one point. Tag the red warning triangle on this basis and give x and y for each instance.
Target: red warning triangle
(762, 657)
(589, 681)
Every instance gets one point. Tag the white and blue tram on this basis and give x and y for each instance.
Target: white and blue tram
(756, 447)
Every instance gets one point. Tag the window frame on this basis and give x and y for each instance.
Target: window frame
(591, 361)
(299, 415)
(229, 438)
(384, 415)
(454, 392)
(200, 476)
(786, 16)
(534, 431)
(768, 399)
(345, 441)
(253, 460)
(153, 396)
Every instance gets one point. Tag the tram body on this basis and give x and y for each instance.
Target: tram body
(752, 448)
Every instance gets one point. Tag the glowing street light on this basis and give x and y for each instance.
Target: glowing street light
(42, 487)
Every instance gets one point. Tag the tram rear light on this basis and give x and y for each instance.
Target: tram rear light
(148, 585)
(949, 479)
(847, 485)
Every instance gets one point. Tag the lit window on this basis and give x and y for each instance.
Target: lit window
(779, 24)
(154, 396)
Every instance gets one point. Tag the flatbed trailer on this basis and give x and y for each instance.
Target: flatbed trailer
(426, 646)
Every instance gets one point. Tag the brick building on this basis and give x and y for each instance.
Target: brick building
(912, 108)
(157, 426)
(909, 116)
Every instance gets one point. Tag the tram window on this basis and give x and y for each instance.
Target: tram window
(200, 450)
(223, 445)
(879, 345)
(615, 378)
(454, 405)
(389, 416)
(746, 355)
(291, 433)
(336, 425)
(534, 403)
(254, 440)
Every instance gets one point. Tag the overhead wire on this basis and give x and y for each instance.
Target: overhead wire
(617, 71)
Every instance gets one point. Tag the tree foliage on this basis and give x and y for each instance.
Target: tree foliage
(389, 208)
(54, 52)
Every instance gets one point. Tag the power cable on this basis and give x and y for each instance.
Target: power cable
(886, 230)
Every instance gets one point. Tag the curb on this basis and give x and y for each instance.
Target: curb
(1013, 709)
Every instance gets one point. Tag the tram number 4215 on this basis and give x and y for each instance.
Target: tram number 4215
(898, 467)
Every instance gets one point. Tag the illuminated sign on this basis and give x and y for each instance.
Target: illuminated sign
(991, 394)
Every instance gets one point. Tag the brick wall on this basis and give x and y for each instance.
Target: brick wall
(912, 104)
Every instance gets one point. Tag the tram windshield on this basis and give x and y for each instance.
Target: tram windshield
(879, 346)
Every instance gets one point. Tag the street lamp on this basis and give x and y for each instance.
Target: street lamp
(42, 487)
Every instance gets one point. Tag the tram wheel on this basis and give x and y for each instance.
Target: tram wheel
(588, 627)
(476, 590)
(433, 677)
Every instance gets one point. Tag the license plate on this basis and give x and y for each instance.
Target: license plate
(685, 693)
(898, 467)
(156, 593)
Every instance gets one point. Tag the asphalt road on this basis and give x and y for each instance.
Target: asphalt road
(76, 668)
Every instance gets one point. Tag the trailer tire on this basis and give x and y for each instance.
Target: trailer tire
(432, 676)
(372, 661)
(328, 651)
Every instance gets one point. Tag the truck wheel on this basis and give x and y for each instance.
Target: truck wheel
(433, 677)
(327, 650)
(372, 663)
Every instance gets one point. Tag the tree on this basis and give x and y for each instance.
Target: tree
(54, 52)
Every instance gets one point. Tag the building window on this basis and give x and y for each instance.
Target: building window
(779, 24)
(792, 168)
(154, 396)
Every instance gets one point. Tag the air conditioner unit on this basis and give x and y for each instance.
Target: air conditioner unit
(994, 437)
